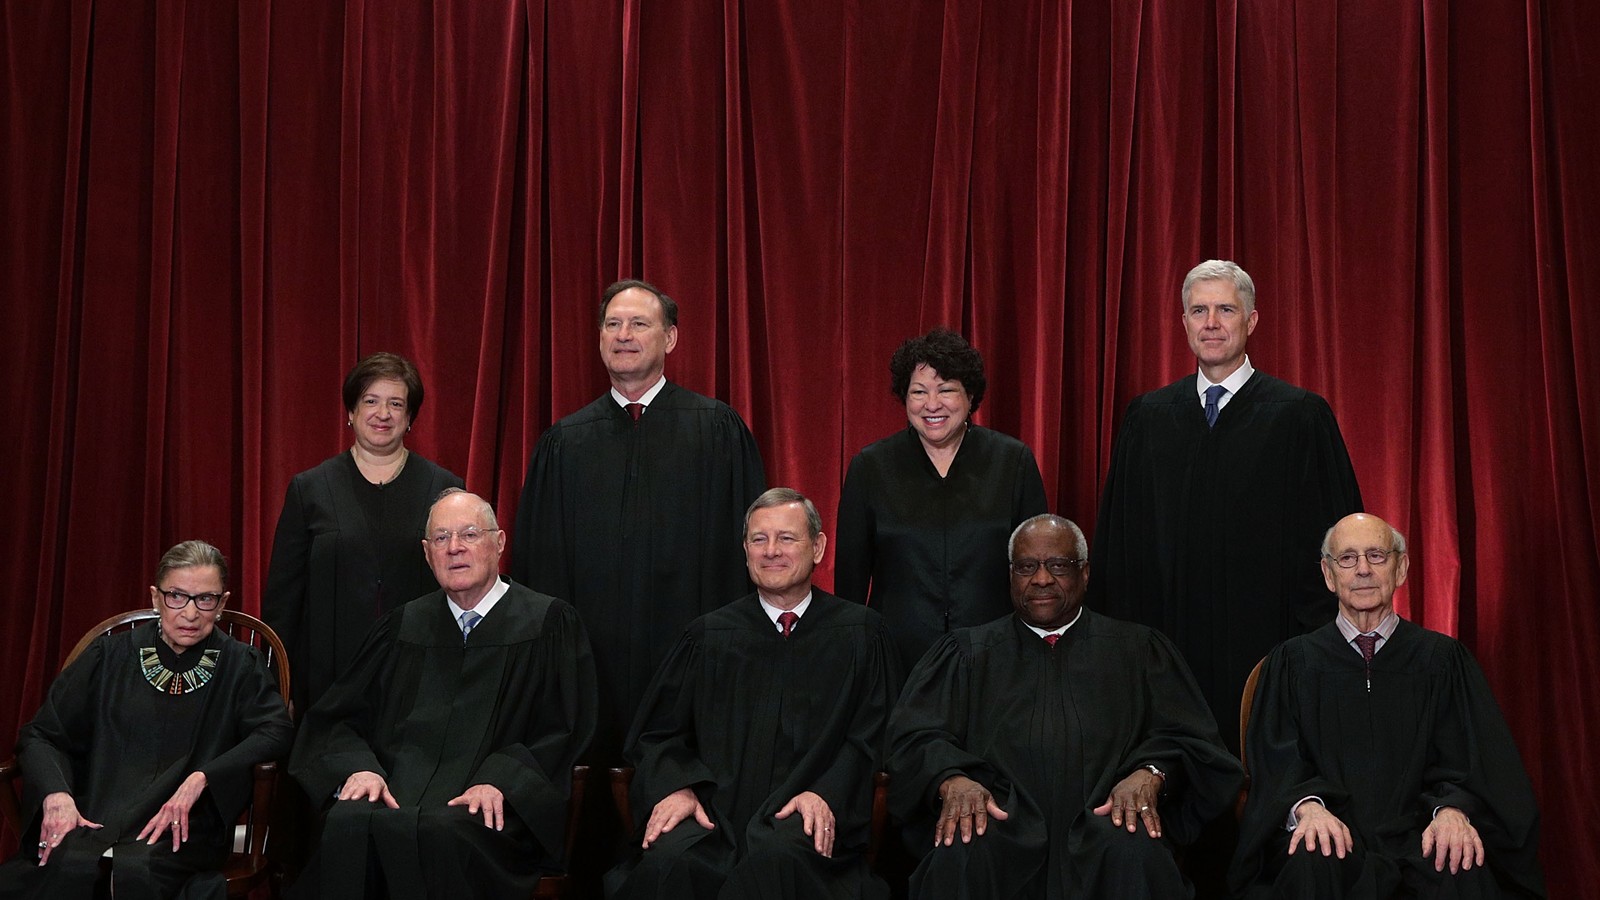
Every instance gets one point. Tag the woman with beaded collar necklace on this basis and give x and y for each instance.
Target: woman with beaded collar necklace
(144, 745)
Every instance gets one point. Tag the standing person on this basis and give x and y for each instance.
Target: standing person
(442, 757)
(1219, 489)
(345, 551)
(924, 513)
(145, 747)
(733, 799)
(631, 503)
(1380, 765)
(1054, 752)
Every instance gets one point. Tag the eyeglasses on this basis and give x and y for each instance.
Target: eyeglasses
(468, 536)
(1057, 566)
(1350, 558)
(179, 599)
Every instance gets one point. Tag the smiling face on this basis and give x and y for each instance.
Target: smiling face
(381, 416)
(635, 338)
(465, 570)
(183, 628)
(1044, 600)
(780, 553)
(1217, 326)
(937, 408)
(1365, 590)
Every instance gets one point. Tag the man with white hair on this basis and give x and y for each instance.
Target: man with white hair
(1380, 765)
(443, 755)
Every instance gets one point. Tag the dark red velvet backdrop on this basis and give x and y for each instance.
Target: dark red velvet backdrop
(212, 209)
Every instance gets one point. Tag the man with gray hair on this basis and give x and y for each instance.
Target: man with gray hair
(1055, 752)
(756, 743)
(1380, 764)
(1219, 487)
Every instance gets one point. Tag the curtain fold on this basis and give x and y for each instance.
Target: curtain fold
(214, 209)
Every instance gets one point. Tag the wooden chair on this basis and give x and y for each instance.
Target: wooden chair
(553, 886)
(248, 866)
(1246, 703)
(622, 777)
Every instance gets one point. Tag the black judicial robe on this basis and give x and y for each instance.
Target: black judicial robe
(1427, 734)
(638, 526)
(346, 551)
(749, 719)
(1049, 731)
(933, 549)
(121, 748)
(1212, 535)
(513, 708)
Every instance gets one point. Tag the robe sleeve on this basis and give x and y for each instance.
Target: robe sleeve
(1180, 737)
(261, 730)
(535, 773)
(334, 740)
(1113, 516)
(849, 778)
(1328, 492)
(661, 745)
(853, 534)
(59, 735)
(1280, 773)
(1475, 768)
(540, 556)
(928, 734)
(1030, 498)
(742, 479)
(283, 600)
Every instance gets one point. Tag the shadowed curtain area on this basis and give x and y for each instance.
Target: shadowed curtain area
(211, 210)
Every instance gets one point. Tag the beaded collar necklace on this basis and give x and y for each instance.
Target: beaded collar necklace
(167, 681)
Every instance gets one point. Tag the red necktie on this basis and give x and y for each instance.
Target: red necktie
(1368, 645)
(1051, 639)
(636, 410)
(787, 620)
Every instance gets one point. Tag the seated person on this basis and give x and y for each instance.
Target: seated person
(1380, 766)
(145, 746)
(444, 753)
(1054, 752)
(756, 744)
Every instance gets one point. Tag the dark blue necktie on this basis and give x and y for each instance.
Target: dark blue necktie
(1213, 394)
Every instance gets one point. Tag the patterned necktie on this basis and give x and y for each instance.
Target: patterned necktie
(1051, 639)
(468, 620)
(1213, 394)
(636, 410)
(1368, 645)
(787, 620)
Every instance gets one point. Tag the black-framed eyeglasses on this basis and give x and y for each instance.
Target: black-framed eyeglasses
(1056, 565)
(179, 599)
(468, 536)
(1350, 558)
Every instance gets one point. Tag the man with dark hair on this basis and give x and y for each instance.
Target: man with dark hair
(1054, 752)
(757, 741)
(1219, 488)
(653, 472)
(444, 753)
(1380, 764)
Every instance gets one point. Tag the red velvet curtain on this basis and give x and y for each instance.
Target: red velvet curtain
(212, 209)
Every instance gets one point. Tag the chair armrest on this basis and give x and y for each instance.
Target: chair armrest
(880, 815)
(263, 787)
(10, 809)
(621, 778)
